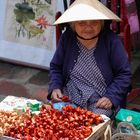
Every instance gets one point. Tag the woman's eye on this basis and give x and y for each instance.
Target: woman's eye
(81, 24)
(92, 23)
(95, 22)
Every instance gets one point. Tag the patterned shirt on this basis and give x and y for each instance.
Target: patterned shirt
(86, 84)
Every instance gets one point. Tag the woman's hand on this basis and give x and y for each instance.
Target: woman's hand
(57, 95)
(104, 102)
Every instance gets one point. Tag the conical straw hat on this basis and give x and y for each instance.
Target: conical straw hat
(86, 10)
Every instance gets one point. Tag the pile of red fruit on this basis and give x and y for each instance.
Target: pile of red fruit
(51, 124)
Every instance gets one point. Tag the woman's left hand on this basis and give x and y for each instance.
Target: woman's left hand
(104, 102)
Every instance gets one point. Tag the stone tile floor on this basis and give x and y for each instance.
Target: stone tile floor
(23, 81)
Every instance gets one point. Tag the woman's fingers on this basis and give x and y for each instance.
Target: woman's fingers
(56, 95)
(104, 102)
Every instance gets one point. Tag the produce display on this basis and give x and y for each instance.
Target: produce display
(10, 118)
(72, 123)
(12, 102)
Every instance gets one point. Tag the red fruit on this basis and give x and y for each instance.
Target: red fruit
(65, 98)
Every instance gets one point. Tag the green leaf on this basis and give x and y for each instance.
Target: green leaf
(23, 15)
(23, 6)
(35, 30)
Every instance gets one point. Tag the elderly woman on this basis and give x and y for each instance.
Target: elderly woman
(90, 64)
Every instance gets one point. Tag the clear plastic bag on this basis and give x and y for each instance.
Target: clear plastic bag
(59, 105)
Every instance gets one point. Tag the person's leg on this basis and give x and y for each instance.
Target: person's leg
(92, 106)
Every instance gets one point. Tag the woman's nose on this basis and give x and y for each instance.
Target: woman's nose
(88, 26)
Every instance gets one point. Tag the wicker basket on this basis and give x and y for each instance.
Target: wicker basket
(132, 135)
(124, 136)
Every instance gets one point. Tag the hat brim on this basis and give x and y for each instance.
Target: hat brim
(86, 10)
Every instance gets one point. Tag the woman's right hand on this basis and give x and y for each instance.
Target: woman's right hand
(56, 95)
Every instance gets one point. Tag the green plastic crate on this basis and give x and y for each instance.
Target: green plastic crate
(125, 115)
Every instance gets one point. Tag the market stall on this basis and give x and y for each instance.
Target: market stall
(27, 119)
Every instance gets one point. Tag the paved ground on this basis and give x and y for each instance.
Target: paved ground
(23, 81)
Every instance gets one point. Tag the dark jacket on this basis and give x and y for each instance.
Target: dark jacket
(110, 56)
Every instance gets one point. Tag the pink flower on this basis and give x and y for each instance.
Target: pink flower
(42, 22)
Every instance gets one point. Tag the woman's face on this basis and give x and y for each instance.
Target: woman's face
(88, 29)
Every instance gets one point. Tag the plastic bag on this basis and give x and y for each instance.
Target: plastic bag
(59, 105)
(126, 131)
(125, 115)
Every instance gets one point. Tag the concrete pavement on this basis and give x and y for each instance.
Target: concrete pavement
(23, 81)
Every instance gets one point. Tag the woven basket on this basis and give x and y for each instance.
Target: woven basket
(124, 136)
(132, 135)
